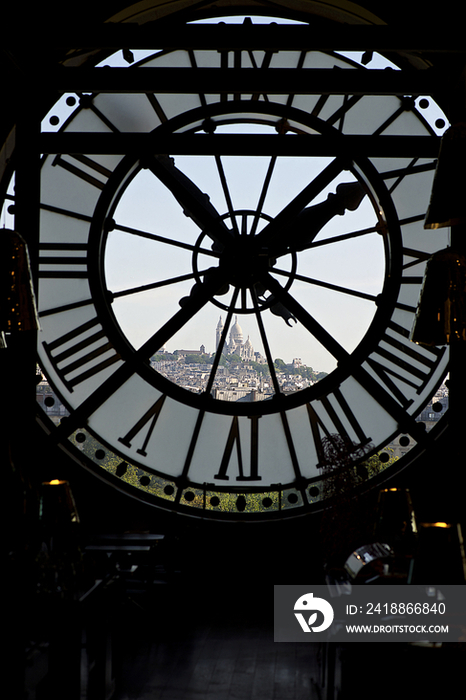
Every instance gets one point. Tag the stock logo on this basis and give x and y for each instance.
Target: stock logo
(307, 603)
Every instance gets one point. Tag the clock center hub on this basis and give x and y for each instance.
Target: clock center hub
(244, 262)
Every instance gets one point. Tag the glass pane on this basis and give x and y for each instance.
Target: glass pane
(132, 113)
(157, 256)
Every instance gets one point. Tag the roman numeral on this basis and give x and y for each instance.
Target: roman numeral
(157, 107)
(397, 361)
(418, 256)
(340, 113)
(339, 420)
(85, 168)
(192, 59)
(238, 62)
(392, 118)
(149, 419)
(400, 174)
(62, 260)
(78, 355)
(65, 212)
(234, 443)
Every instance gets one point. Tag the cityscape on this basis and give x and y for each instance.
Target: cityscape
(243, 373)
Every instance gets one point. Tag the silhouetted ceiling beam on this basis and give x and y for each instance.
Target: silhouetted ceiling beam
(269, 37)
(248, 80)
(239, 144)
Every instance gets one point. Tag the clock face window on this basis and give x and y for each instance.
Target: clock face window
(212, 314)
(333, 265)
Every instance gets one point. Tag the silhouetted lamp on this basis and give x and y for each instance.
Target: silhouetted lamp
(447, 201)
(60, 557)
(17, 303)
(441, 312)
(58, 514)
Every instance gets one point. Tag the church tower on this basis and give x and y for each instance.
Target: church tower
(218, 333)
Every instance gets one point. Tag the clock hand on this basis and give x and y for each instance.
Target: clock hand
(311, 220)
(211, 274)
(276, 308)
(196, 204)
(308, 321)
(212, 284)
(272, 233)
(305, 228)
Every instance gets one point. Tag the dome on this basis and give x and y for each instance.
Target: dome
(236, 332)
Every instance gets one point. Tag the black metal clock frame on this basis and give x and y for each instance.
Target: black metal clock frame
(230, 81)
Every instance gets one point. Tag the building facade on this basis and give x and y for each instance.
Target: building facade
(236, 344)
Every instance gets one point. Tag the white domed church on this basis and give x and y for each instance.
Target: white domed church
(235, 345)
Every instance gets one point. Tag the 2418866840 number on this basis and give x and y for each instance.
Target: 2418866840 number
(405, 608)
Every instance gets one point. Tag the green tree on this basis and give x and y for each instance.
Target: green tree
(197, 359)
(234, 358)
(260, 368)
(164, 357)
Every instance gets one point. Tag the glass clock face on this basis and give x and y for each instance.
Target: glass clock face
(209, 322)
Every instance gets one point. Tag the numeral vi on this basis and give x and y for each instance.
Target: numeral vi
(234, 443)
